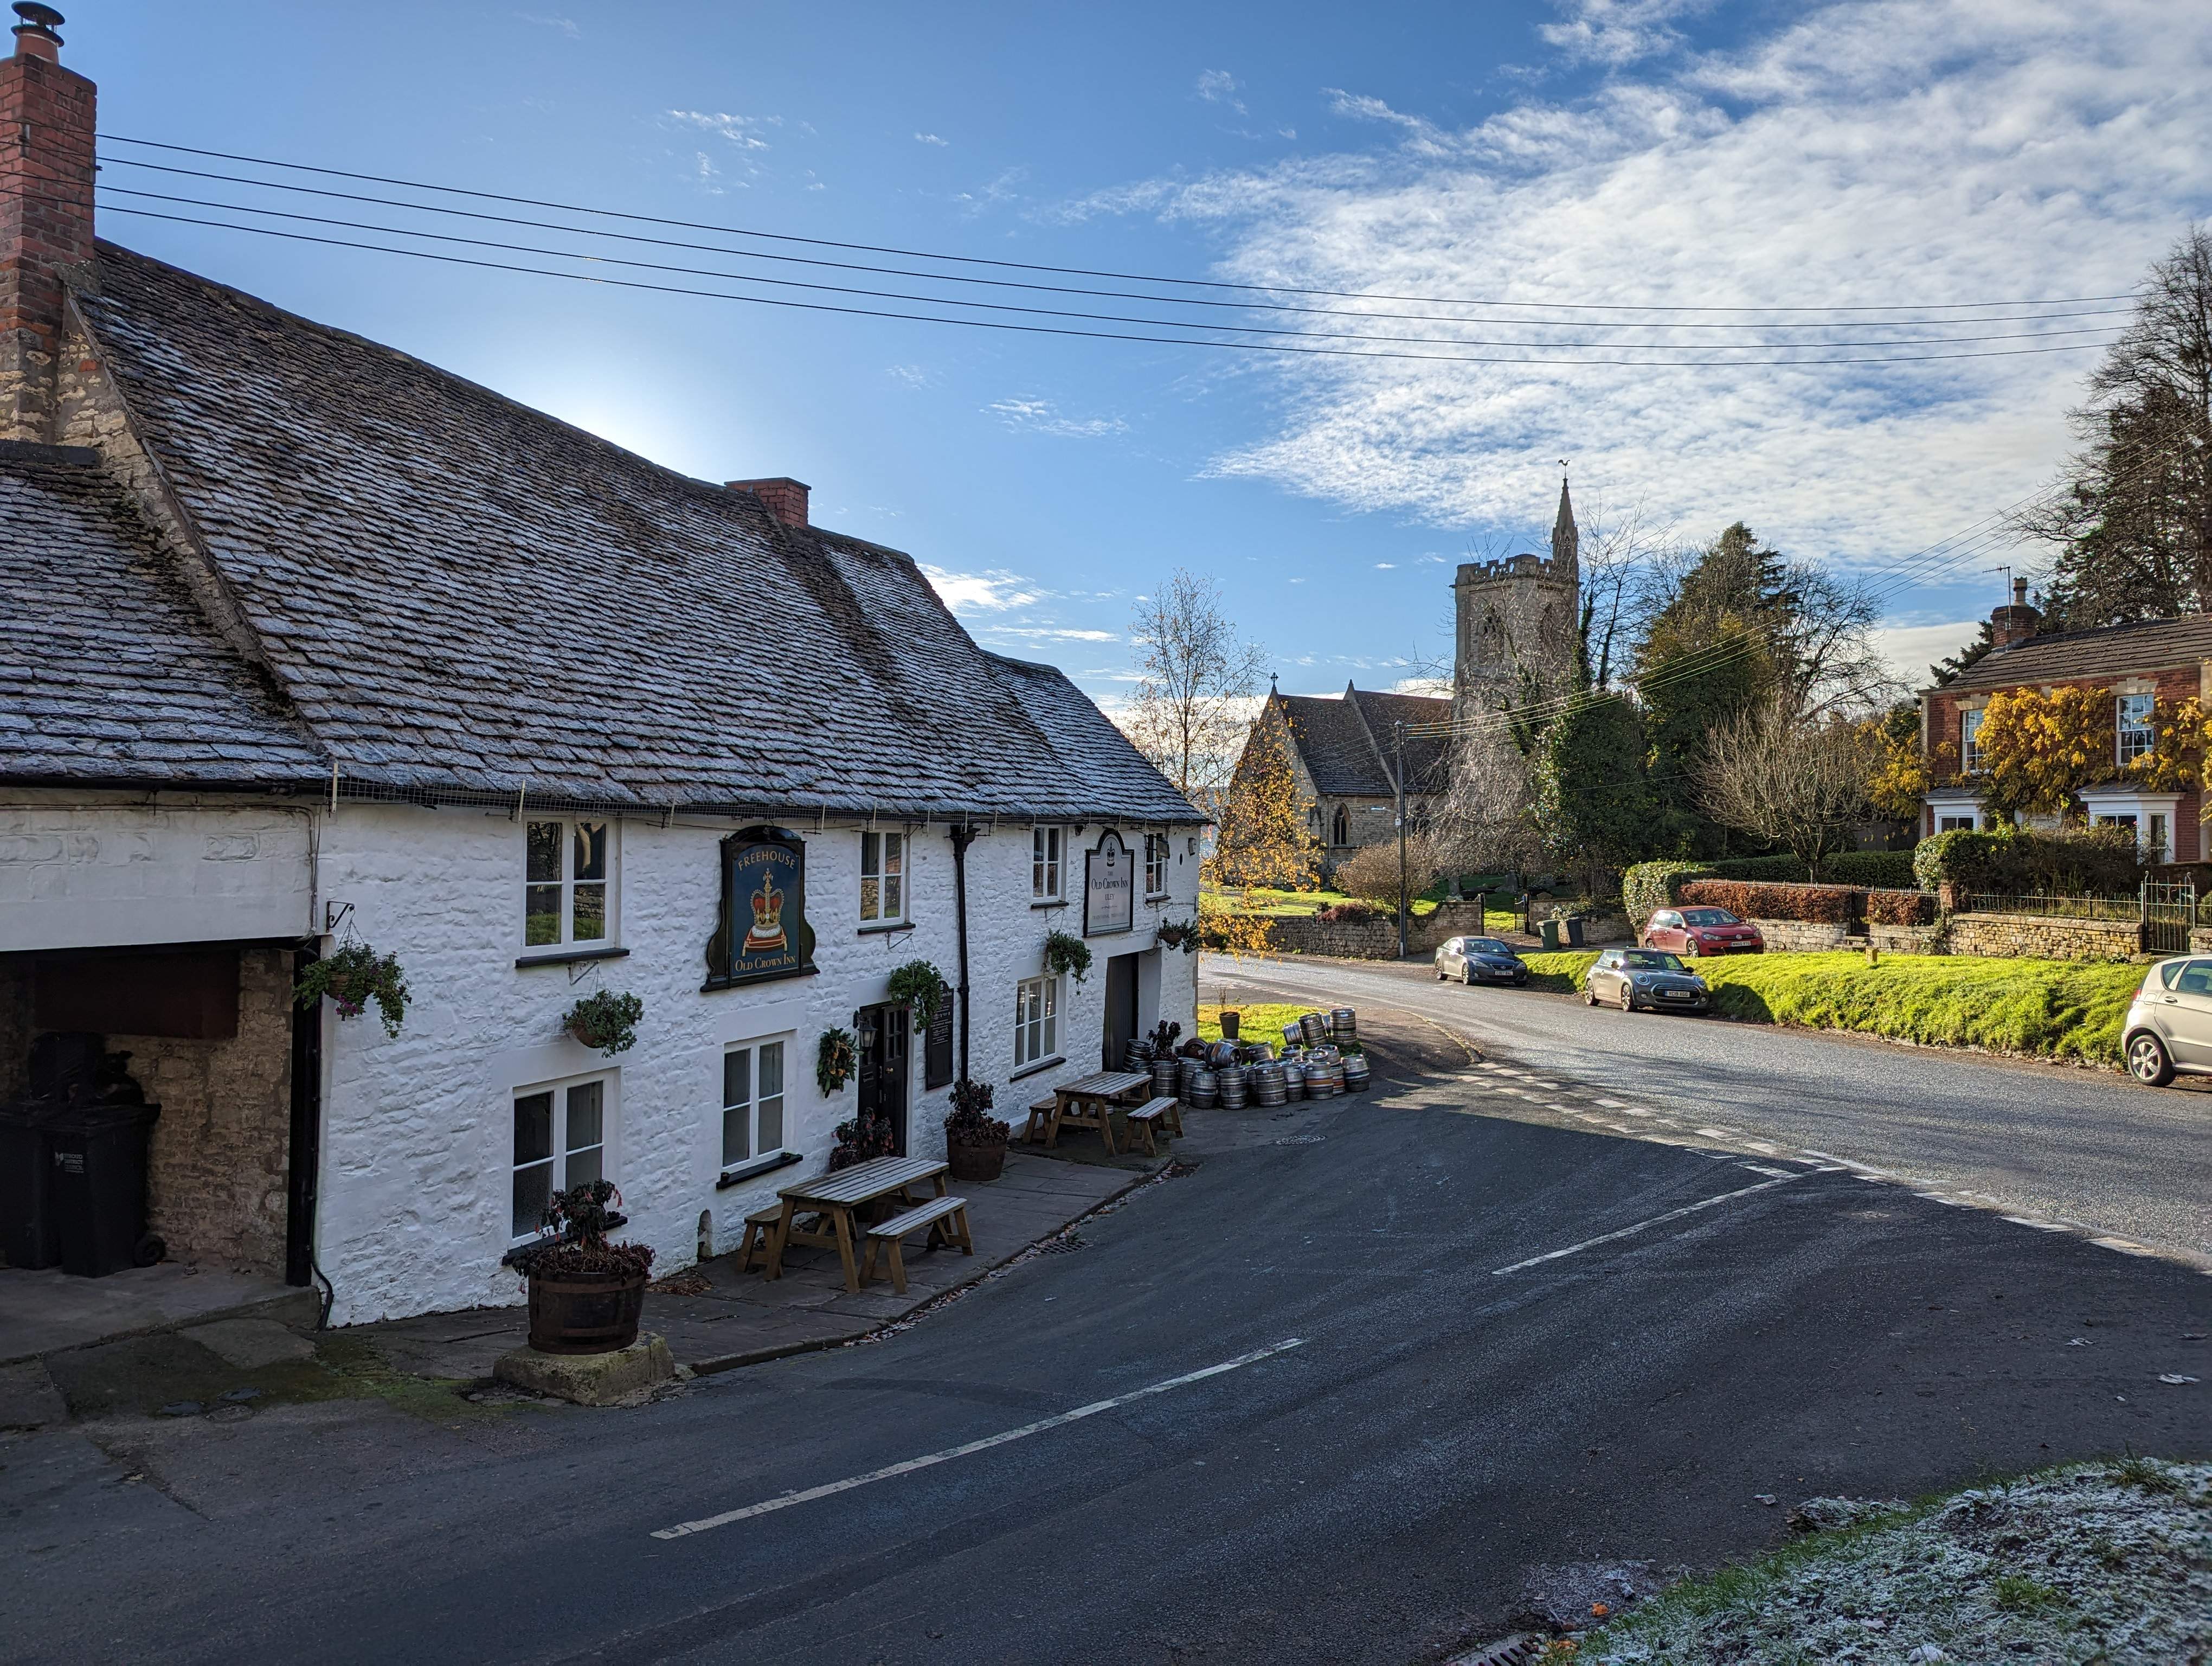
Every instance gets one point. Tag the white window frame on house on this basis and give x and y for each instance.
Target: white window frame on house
(555, 1167)
(885, 879)
(1156, 865)
(1037, 1023)
(581, 877)
(747, 1102)
(2136, 738)
(1970, 752)
(1048, 864)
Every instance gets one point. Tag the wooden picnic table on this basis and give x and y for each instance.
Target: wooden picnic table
(1088, 1102)
(835, 1196)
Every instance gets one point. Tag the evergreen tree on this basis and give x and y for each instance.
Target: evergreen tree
(1593, 803)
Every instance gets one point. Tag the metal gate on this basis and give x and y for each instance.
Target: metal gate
(2169, 915)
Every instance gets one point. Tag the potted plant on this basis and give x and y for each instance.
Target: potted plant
(587, 1295)
(606, 1020)
(862, 1139)
(352, 976)
(919, 986)
(975, 1140)
(1180, 935)
(1064, 954)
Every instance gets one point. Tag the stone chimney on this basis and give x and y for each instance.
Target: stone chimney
(2011, 626)
(781, 496)
(46, 166)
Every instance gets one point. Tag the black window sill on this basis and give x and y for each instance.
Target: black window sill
(1042, 1064)
(569, 957)
(755, 1169)
(1049, 902)
(878, 928)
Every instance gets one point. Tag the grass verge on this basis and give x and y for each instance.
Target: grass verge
(1294, 904)
(2102, 1561)
(1260, 1021)
(2054, 1009)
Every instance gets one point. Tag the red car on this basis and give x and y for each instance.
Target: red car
(1702, 931)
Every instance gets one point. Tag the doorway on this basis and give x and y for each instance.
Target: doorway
(1121, 1010)
(883, 1036)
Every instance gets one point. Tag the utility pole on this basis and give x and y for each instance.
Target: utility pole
(1400, 729)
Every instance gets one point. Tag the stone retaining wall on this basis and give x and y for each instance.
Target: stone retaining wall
(1377, 939)
(2045, 937)
(1806, 936)
(1906, 940)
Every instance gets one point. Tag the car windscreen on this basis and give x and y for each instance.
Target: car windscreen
(1487, 945)
(1709, 917)
(1648, 960)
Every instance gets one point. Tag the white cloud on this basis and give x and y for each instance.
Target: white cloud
(740, 130)
(1219, 87)
(908, 375)
(1435, 688)
(1038, 417)
(1048, 634)
(1385, 566)
(1617, 32)
(993, 193)
(993, 591)
(930, 138)
(564, 25)
(1911, 649)
(1884, 153)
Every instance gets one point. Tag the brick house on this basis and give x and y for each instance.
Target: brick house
(1343, 755)
(308, 641)
(2142, 665)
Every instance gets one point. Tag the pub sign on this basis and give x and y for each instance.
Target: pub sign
(763, 933)
(1109, 887)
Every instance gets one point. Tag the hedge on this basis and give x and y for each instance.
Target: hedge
(1886, 870)
(1830, 905)
(1649, 886)
(2098, 860)
(1900, 908)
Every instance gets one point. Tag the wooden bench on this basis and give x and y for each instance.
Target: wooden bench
(1152, 1113)
(1043, 1111)
(946, 1216)
(760, 1236)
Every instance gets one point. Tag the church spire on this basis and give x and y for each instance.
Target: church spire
(1566, 537)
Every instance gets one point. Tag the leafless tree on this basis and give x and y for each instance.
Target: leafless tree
(1787, 779)
(2132, 520)
(1190, 711)
(1617, 551)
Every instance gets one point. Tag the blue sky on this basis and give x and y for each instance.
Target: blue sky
(1625, 152)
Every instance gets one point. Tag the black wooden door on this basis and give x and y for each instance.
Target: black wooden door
(1121, 1010)
(886, 1034)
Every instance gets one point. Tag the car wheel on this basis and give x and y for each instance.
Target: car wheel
(1627, 999)
(1466, 975)
(1589, 996)
(1440, 975)
(2148, 1062)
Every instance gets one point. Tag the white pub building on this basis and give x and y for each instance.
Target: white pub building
(312, 647)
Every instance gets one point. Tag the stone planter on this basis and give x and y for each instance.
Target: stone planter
(585, 1312)
(974, 1165)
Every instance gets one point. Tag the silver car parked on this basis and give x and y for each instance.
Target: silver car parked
(2169, 1025)
(1649, 978)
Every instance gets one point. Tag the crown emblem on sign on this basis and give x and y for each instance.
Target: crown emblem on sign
(766, 935)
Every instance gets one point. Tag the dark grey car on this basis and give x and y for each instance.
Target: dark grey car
(1479, 960)
(1652, 979)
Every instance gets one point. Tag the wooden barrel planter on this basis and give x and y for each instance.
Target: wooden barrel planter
(974, 1165)
(585, 1312)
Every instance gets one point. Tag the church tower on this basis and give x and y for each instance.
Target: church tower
(1517, 621)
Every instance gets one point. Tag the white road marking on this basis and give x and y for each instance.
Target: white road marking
(1760, 1168)
(1714, 1133)
(2029, 1221)
(784, 1501)
(1630, 1232)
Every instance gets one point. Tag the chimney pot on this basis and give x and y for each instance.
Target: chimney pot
(780, 494)
(2011, 625)
(35, 35)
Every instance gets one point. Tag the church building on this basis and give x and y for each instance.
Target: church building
(1516, 623)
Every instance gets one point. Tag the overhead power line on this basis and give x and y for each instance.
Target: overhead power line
(819, 262)
(1217, 325)
(1073, 272)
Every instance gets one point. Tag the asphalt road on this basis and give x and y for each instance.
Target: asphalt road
(1463, 1401)
(2058, 1142)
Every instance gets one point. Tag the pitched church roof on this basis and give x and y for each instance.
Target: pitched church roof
(1348, 743)
(454, 594)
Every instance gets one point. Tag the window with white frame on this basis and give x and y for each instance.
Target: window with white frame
(1970, 752)
(752, 1102)
(560, 1141)
(1037, 1021)
(2136, 734)
(1156, 864)
(883, 878)
(567, 892)
(1960, 823)
(1045, 863)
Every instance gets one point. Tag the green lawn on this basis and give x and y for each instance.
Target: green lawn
(1260, 1020)
(2056, 1009)
(1285, 904)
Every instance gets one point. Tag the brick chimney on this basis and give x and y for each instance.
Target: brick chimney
(781, 496)
(46, 215)
(2010, 626)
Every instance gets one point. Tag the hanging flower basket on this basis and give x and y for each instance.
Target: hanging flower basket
(1180, 935)
(606, 1020)
(353, 977)
(1064, 954)
(921, 987)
